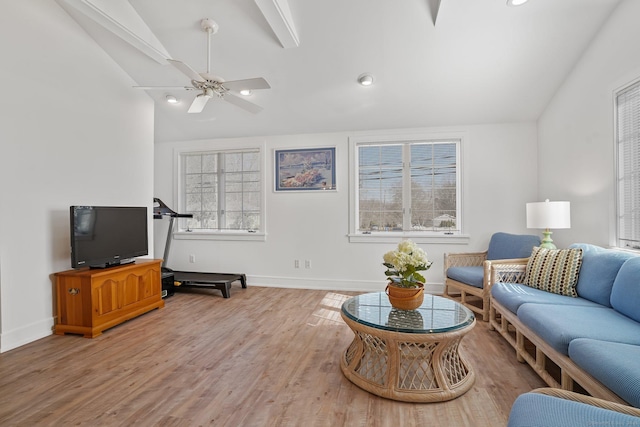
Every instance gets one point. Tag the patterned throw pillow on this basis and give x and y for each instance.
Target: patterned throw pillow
(554, 270)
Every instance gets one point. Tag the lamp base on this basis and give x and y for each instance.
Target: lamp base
(547, 243)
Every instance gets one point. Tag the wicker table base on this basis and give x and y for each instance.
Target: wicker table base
(410, 367)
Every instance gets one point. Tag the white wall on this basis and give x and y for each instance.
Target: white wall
(576, 131)
(499, 178)
(72, 131)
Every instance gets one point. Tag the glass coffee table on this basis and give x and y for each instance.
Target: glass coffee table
(411, 356)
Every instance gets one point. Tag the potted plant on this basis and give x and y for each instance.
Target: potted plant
(405, 286)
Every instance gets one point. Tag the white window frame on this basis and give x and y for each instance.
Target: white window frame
(180, 232)
(451, 237)
(627, 242)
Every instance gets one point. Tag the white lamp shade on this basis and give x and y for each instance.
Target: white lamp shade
(548, 215)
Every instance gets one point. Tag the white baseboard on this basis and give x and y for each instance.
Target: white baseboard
(25, 334)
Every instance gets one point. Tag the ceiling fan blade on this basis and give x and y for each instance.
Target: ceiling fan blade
(239, 102)
(251, 84)
(164, 87)
(198, 103)
(186, 70)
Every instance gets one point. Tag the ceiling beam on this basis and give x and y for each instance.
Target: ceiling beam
(278, 15)
(434, 8)
(119, 17)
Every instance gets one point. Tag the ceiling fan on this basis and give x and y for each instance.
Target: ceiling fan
(210, 85)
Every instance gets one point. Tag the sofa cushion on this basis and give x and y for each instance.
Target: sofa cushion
(613, 364)
(512, 295)
(599, 269)
(510, 246)
(539, 410)
(473, 276)
(554, 270)
(625, 293)
(558, 325)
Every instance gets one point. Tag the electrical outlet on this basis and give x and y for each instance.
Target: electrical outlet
(192, 258)
(307, 263)
(296, 263)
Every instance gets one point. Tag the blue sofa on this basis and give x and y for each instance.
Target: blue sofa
(594, 338)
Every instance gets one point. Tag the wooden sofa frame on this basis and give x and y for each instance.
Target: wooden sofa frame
(515, 333)
(460, 292)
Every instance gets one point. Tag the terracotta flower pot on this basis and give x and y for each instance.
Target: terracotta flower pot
(405, 298)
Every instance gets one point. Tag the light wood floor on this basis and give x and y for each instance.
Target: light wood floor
(264, 357)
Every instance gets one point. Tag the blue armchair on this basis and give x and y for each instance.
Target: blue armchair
(467, 275)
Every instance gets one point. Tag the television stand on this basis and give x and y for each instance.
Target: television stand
(91, 300)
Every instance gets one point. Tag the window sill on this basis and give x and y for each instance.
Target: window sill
(391, 237)
(629, 249)
(220, 235)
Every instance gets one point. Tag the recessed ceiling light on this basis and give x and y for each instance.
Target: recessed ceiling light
(365, 79)
(245, 92)
(516, 2)
(172, 99)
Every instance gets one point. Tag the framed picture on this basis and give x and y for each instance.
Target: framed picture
(308, 169)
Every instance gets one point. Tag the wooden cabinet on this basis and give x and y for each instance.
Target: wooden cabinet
(92, 300)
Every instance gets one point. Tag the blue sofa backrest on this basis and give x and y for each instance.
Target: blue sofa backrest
(599, 269)
(625, 294)
(509, 246)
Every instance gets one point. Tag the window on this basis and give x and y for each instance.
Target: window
(628, 159)
(406, 186)
(223, 190)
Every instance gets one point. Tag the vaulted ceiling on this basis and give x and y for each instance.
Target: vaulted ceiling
(434, 62)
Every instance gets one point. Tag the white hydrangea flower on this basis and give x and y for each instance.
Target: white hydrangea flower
(406, 246)
(404, 263)
(390, 258)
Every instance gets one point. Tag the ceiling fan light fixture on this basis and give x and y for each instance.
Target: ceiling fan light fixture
(209, 85)
(245, 92)
(365, 79)
(516, 2)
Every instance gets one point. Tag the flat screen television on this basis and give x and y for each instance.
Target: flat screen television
(105, 236)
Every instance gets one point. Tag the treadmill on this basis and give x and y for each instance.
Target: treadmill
(174, 280)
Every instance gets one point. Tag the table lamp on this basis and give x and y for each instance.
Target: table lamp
(547, 215)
